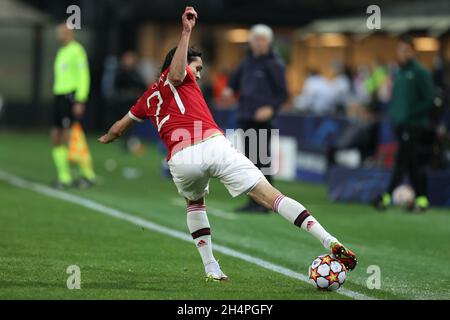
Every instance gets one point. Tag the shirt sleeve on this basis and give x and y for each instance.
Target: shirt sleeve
(137, 112)
(83, 83)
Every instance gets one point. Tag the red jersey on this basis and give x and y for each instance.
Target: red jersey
(180, 114)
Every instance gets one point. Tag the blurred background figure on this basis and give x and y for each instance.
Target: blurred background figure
(410, 110)
(220, 84)
(260, 82)
(361, 135)
(317, 96)
(441, 114)
(128, 84)
(71, 90)
(341, 86)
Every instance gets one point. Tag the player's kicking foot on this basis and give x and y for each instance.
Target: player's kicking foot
(347, 257)
(214, 273)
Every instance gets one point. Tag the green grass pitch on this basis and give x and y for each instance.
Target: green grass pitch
(41, 236)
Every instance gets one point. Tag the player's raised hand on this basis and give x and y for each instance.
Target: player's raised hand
(188, 18)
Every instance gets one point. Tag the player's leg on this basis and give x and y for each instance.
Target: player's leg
(192, 181)
(384, 200)
(240, 175)
(200, 229)
(293, 211)
(59, 134)
(60, 156)
(417, 175)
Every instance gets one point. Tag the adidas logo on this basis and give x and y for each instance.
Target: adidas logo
(309, 225)
(201, 243)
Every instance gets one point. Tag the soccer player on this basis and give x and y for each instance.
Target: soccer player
(71, 90)
(198, 151)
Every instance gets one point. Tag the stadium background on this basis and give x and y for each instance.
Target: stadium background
(310, 35)
(320, 35)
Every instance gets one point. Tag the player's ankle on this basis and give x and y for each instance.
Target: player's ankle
(330, 242)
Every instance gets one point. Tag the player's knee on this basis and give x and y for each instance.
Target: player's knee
(265, 194)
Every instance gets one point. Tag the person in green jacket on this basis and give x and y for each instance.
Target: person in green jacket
(71, 90)
(410, 111)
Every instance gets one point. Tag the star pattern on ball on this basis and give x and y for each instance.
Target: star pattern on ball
(314, 275)
(327, 260)
(332, 277)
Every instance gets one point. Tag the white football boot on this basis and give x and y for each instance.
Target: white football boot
(214, 273)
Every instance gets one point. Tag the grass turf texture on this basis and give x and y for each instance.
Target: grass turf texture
(41, 237)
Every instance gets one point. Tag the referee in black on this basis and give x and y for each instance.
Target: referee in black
(261, 84)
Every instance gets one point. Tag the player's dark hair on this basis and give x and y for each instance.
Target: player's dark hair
(409, 40)
(191, 56)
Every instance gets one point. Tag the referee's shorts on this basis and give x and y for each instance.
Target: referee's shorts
(62, 116)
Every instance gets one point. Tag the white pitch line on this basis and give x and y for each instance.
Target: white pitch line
(95, 206)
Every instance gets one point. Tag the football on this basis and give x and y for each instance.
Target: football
(327, 273)
(403, 196)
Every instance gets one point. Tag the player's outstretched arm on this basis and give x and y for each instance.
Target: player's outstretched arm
(179, 61)
(117, 130)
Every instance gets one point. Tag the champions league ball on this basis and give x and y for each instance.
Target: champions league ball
(327, 273)
(403, 196)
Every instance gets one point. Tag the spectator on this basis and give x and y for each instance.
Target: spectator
(341, 86)
(148, 70)
(220, 83)
(362, 134)
(128, 86)
(317, 96)
(261, 84)
(129, 83)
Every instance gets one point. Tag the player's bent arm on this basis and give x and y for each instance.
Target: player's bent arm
(177, 71)
(178, 65)
(117, 129)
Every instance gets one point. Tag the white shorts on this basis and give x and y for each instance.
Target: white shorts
(192, 167)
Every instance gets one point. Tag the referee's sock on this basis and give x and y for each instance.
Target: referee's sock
(86, 169)
(60, 157)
